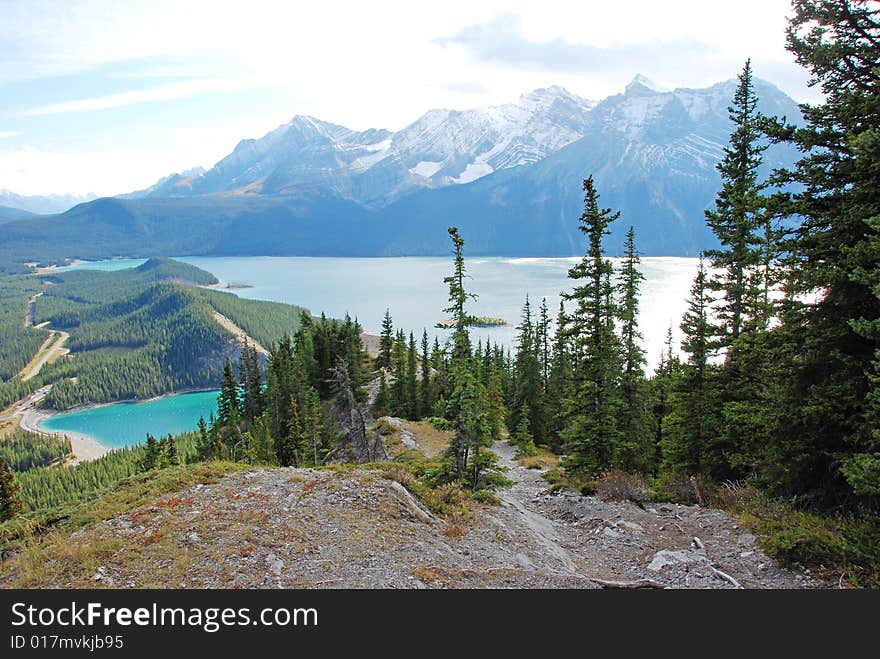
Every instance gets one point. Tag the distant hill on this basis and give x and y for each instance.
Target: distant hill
(145, 331)
(8, 214)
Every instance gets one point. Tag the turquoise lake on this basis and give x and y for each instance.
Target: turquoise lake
(411, 288)
(124, 424)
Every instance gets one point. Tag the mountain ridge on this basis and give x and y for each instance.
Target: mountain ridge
(652, 153)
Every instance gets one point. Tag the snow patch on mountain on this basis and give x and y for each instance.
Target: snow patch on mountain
(473, 171)
(427, 168)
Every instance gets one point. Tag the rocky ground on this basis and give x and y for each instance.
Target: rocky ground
(354, 528)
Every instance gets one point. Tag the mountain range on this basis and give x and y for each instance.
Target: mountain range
(42, 204)
(509, 176)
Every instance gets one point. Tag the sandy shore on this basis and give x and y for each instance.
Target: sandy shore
(84, 447)
(49, 269)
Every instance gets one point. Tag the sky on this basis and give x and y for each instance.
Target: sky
(106, 97)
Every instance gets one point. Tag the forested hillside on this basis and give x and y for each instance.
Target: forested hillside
(134, 333)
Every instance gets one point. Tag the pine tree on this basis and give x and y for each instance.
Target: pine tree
(227, 402)
(171, 456)
(10, 497)
(152, 454)
(737, 216)
(830, 332)
(386, 342)
(381, 404)
(251, 383)
(398, 386)
(593, 402)
(458, 297)
(686, 444)
(635, 451)
(410, 385)
(522, 437)
(426, 389)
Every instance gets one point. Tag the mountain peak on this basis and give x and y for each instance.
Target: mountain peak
(641, 84)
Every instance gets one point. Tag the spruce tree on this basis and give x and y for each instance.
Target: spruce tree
(171, 455)
(559, 380)
(458, 297)
(522, 437)
(661, 386)
(410, 386)
(494, 404)
(251, 383)
(466, 406)
(10, 497)
(386, 341)
(528, 380)
(426, 390)
(635, 452)
(203, 446)
(686, 444)
(398, 386)
(592, 404)
(830, 332)
(737, 215)
(152, 454)
(381, 404)
(542, 342)
(227, 402)
(289, 446)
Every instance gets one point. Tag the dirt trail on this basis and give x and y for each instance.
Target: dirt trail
(544, 532)
(237, 332)
(668, 545)
(53, 346)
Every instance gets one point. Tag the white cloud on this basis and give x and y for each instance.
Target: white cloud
(9, 133)
(363, 65)
(35, 171)
(165, 92)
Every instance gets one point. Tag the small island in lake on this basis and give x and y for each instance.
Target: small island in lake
(476, 321)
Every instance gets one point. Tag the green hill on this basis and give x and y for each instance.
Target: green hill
(134, 333)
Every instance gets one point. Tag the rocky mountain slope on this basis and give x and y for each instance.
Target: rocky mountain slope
(362, 528)
(374, 167)
(510, 177)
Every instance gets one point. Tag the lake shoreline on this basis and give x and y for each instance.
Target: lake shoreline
(86, 447)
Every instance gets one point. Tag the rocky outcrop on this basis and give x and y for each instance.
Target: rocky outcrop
(353, 442)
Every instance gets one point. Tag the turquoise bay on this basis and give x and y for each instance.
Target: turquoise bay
(124, 424)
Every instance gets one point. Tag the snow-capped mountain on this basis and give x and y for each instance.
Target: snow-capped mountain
(653, 155)
(510, 177)
(42, 204)
(375, 167)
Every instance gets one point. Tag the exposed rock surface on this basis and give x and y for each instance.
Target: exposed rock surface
(353, 442)
(354, 528)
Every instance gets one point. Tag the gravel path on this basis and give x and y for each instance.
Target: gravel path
(667, 544)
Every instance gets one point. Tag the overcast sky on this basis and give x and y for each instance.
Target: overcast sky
(107, 96)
